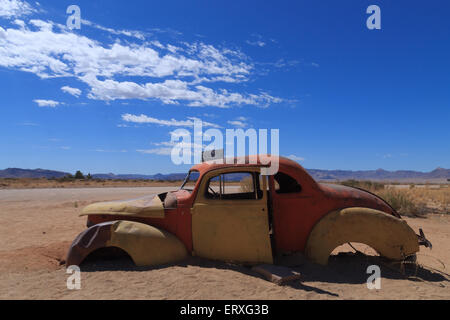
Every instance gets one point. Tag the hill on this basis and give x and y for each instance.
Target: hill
(31, 173)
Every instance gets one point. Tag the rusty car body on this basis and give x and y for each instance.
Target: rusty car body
(252, 222)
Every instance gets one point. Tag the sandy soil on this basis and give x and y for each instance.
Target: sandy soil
(37, 226)
(39, 183)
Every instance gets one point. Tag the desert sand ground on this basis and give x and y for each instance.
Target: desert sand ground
(40, 183)
(38, 225)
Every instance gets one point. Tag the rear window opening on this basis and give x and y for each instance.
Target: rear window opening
(286, 184)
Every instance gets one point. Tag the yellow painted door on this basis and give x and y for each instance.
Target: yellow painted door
(231, 230)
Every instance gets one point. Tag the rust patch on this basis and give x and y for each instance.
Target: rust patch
(88, 241)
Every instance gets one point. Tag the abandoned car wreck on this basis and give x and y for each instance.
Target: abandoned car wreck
(232, 212)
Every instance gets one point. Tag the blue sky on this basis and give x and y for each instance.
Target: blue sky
(106, 97)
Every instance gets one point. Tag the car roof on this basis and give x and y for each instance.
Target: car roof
(285, 164)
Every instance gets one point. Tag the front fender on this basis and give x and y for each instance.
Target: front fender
(390, 236)
(145, 244)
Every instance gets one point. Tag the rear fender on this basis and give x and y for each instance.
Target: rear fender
(390, 236)
(145, 244)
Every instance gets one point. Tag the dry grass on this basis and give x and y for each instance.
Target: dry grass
(433, 199)
(364, 184)
(418, 200)
(246, 185)
(402, 201)
(412, 200)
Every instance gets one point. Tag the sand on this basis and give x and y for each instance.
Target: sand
(38, 225)
(41, 183)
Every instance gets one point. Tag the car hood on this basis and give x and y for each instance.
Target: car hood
(150, 206)
(355, 197)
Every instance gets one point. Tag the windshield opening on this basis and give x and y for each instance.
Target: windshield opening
(190, 181)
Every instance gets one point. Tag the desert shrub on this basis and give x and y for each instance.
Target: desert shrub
(365, 184)
(79, 175)
(66, 178)
(246, 185)
(433, 200)
(401, 201)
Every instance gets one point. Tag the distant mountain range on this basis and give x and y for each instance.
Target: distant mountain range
(380, 174)
(31, 173)
(439, 174)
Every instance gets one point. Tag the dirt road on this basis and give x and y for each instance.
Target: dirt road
(37, 226)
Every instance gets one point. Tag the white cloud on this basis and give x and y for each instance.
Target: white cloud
(158, 151)
(15, 8)
(240, 122)
(129, 33)
(42, 25)
(295, 158)
(180, 139)
(176, 135)
(19, 22)
(73, 91)
(237, 123)
(47, 103)
(282, 63)
(166, 148)
(29, 124)
(173, 91)
(258, 43)
(66, 53)
(257, 40)
(50, 50)
(172, 122)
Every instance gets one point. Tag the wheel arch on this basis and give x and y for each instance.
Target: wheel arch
(390, 236)
(145, 244)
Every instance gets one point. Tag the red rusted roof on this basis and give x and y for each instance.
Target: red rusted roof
(248, 161)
